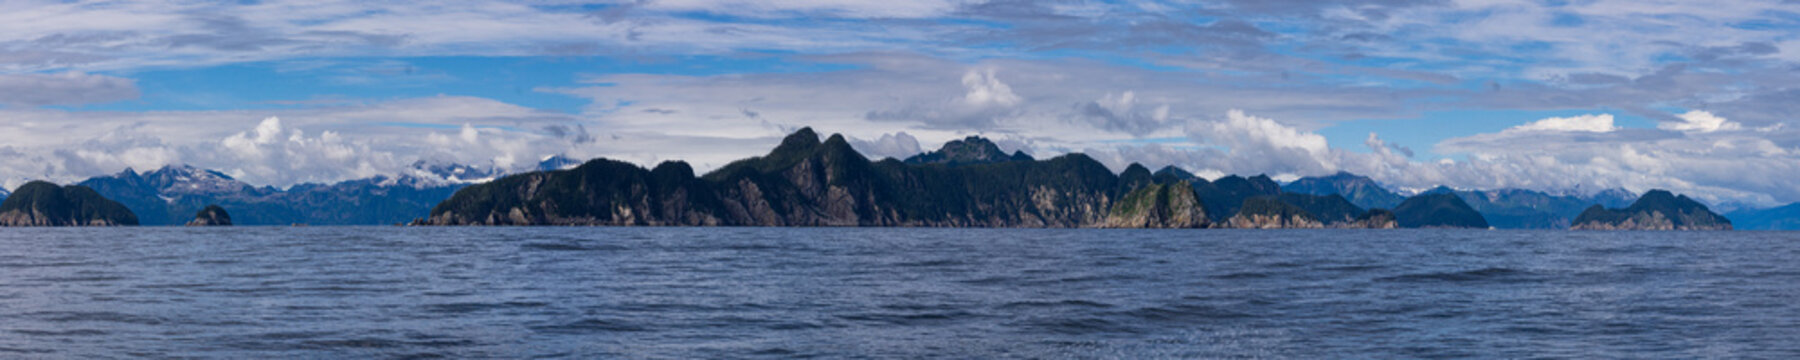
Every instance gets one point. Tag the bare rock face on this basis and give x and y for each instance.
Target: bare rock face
(212, 215)
(1269, 212)
(1373, 219)
(41, 203)
(1162, 206)
(1274, 221)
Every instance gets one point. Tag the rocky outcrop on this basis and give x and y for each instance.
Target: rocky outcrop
(1163, 206)
(1268, 212)
(1438, 210)
(1656, 210)
(1329, 209)
(39, 203)
(1372, 219)
(212, 215)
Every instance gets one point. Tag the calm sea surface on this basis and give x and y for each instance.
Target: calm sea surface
(386, 292)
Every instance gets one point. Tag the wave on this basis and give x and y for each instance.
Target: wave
(1477, 275)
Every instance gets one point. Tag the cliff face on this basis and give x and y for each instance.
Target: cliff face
(803, 182)
(1269, 212)
(1656, 210)
(41, 203)
(1372, 219)
(1172, 205)
(1329, 209)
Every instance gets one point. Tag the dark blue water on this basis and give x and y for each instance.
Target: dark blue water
(385, 292)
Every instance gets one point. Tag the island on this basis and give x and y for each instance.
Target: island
(1655, 210)
(1438, 210)
(212, 215)
(40, 203)
(969, 182)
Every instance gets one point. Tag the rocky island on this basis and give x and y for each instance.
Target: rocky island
(1656, 210)
(39, 203)
(212, 215)
(968, 183)
(1441, 210)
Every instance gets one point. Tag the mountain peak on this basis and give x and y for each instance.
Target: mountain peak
(557, 162)
(968, 150)
(1176, 172)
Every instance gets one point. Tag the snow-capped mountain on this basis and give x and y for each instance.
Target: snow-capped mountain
(439, 172)
(172, 181)
(557, 162)
(171, 196)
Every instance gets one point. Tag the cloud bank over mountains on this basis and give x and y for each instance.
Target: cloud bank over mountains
(1692, 97)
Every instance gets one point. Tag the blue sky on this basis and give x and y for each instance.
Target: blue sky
(1550, 95)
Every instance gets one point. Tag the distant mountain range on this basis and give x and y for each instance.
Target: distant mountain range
(173, 195)
(1502, 208)
(808, 182)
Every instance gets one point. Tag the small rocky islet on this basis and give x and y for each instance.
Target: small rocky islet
(212, 215)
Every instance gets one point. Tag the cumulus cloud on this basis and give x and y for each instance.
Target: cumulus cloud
(1698, 121)
(1262, 145)
(987, 90)
(250, 142)
(1599, 123)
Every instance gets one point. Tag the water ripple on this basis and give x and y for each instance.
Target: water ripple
(579, 293)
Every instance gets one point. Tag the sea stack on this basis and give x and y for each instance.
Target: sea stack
(212, 215)
(39, 203)
(1656, 210)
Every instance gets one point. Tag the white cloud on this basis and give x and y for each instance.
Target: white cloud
(66, 88)
(1262, 145)
(985, 89)
(249, 142)
(469, 135)
(1698, 121)
(1589, 123)
(842, 8)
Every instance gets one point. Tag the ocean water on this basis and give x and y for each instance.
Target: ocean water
(388, 292)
